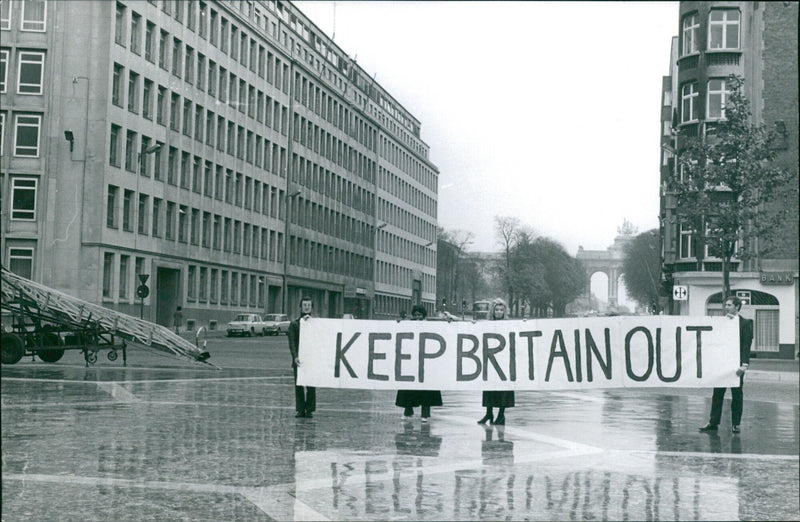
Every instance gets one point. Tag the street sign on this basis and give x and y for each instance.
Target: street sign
(680, 293)
(143, 278)
(143, 291)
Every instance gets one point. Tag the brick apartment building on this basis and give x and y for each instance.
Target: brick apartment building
(757, 41)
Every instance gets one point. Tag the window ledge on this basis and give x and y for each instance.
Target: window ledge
(724, 51)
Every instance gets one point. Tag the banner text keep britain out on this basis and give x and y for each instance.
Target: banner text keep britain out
(541, 354)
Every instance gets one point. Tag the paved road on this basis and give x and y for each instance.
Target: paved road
(164, 440)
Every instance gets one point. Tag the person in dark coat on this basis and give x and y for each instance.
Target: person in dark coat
(305, 396)
(409, 399)
(497, 399)
(732, 306)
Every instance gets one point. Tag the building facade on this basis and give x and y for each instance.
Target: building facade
(230, 151)
(757, 41)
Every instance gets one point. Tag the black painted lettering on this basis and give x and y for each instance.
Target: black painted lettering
(578, 371)
(423, 340)
(399, 357)
(530, 336)
(461, 353)
(677, 356)
(558, 339)
(628, 367)
(489, 352)
(340, 351)
(591, 348)
(699, 353)
(512, 356)
(373, 355)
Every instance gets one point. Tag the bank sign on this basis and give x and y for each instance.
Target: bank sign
(777, 278)
(546, 354)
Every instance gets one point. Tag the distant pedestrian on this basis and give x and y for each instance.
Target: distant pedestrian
(305, 396)
(409, 399)
(177, 319)
(732, 306)
(497, 399)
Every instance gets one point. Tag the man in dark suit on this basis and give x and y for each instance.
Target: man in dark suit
(305, 396)
(732, 306)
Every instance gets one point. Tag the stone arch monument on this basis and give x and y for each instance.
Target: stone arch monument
(608, 261)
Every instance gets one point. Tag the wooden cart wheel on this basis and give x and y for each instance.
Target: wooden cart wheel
(13, 348)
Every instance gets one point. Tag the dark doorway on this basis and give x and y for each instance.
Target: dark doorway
(168, 296)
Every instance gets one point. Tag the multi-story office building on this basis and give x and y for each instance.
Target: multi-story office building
(757, 41)
(229, 150)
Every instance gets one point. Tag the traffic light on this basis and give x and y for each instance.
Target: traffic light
(444, 302)
(463, 304)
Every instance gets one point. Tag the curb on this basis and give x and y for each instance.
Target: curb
(767, 376)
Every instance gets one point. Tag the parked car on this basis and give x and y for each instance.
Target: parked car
(247, 324)
(276, 324)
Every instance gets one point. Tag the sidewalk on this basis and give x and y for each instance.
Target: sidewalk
(781, 370)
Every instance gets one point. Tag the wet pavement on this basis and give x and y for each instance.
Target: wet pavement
(163, 440)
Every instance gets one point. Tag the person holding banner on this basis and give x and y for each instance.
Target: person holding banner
(409, 399)
(497, 399)
(305, 396)
(732, 307)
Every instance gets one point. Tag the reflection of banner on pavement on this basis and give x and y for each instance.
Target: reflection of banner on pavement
(547, 354)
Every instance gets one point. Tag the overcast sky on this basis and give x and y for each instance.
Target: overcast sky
(544, 111)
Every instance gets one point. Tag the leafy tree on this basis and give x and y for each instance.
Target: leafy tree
(543, 273)
(725, 178)
(641, 267)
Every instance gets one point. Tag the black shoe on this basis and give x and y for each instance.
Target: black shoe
(308, 415)
(487, 418)
(735, 429)
(500, 420)
(708, 427)
(300, 414)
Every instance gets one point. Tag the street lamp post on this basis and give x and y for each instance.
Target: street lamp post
(375, 266)
(287, 217)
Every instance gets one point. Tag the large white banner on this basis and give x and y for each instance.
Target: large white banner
(541, 354)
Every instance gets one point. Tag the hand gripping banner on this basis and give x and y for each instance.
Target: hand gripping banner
(537, 354)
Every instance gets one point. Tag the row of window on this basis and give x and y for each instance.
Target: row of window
(405, 220)
(173, 221)
(716, 94)
(723, 31)
(309, 174)
(318, 101)
(213, 180)
(184, 61)
(190, 171)
(310, 215)
(404, 191)
(405, 248)
(183, 115)
(400, 276)
(404, 161)
(32, 14)
(306, 253)
(204, 284)
(29, 71)
(315, 138)
(212, 285)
